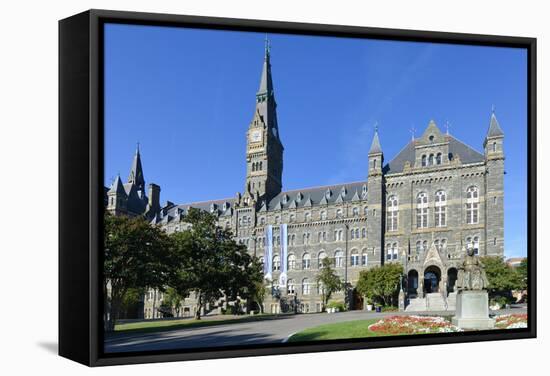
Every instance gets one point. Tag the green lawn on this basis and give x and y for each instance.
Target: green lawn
(342, 330)
(148, 326)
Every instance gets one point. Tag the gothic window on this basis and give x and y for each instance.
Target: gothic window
(291, 218)
(306, 261)
(261, 165)
(472, 205)
(253, 167)
(319, 237)
(305, 286)
(339, 259)
(494, 146)
(322, 255)
(354, 258)
(356, 233)
(418, 247)
(276, 263)
(431, 160)
(339, 213)
(364, 233)
(374, 164)
(424, 161)
(366, 211)
(425, 245)
(323, 215)
(436, 243)
(392, 213)
(307, 217)
(352, 234)
(291, 286)
(355, 212)
(422, 210)
(440, 209)
(291, 262)
(262, 221)
(438, 159)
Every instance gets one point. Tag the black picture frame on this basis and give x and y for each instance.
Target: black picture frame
(81, 172)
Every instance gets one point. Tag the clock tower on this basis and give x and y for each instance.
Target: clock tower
(264, 150)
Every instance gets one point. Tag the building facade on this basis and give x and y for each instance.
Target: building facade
(422, 209)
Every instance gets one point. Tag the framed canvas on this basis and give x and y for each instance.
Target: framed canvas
(385, 187)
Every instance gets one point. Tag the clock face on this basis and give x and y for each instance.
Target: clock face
(256, 136)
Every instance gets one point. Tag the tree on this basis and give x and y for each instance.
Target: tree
(130, 302)
(380, 284)
(136, 255)
(328, 280)
(171, 302)
(211, 264)
(502, 277)
(522, 270)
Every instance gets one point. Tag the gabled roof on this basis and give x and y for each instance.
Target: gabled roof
(456, 148)
(117, 187)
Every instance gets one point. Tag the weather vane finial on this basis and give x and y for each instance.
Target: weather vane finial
(137, 147)
(447, 126)
(376, 127)
(267, 45)
(493, 108)
(412, 130)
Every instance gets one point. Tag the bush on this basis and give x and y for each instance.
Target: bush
(340, 306)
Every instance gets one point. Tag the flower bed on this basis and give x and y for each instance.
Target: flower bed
(413, 325)
(511, 321)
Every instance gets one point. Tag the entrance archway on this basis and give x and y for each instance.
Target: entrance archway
(412, 282)
(432, 276)
(452, 275)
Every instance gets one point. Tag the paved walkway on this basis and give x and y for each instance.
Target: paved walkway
(271, 330)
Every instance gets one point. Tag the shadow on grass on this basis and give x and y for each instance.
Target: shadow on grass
(159, 326)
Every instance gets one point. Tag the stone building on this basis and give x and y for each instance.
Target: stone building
(435, 198)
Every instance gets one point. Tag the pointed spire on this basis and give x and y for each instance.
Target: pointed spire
(266, 83)
(494, 127)
(136, 172)
(117, 187)
(375, 147)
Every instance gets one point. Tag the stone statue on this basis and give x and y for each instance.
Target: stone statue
(471, 274)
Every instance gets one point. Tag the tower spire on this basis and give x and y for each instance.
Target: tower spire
(375, 147)
(136, 171)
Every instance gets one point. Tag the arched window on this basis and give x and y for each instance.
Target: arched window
(277, 219)
(431, 160)
(364, 232)
(391, 251)
(323, 215)
(422, 210)
(366, 211)
(253, 167)
(472, 205)
(354, 258)
(291, 262)
(305, 286)
(320, 258)
(374, 164)
(392, 213)
(291, 218)
(339, 259)
(438, 159)
(307, 217)
(364, 258)
(418, 247)
(425, 246)
(306, 261)
(355, 211)
(494, 146)
(276, 263)
(440, 209)
(424, 161)
(339, 213)
(262, 221)
(261, 165)
(291, 286)
(352, 234)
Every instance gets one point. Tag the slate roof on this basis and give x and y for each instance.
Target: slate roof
(375, 146)
(456, 148)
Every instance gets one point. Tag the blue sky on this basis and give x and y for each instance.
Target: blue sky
(188, 96)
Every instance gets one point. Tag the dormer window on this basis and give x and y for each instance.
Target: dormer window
(344, 192)
(285, 199)
(328, 193)
(431, 138)
(299, 197)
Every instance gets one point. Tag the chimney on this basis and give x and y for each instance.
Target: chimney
(154, 197)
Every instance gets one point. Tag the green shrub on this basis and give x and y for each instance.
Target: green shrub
(340, 306)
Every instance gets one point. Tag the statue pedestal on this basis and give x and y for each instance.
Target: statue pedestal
(472, 310)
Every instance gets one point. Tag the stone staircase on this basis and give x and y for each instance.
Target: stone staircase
(432, 302)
